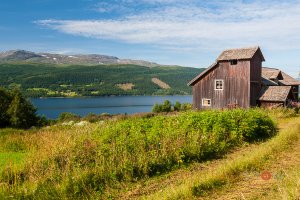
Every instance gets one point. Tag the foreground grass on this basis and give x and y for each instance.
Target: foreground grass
(227, 175)
(92, 161)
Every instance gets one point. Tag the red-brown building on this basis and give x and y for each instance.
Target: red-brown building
(237, 79)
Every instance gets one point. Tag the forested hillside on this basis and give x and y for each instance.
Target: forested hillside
(50, 80)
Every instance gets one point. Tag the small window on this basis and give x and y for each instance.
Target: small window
(219, 84)
(233, 62)
(206, 102)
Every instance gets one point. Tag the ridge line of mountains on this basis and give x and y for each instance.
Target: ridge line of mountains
(57, 75)
(76, 59)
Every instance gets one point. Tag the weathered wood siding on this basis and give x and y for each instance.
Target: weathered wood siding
(236, 89)
(270, 104)
(255, 78)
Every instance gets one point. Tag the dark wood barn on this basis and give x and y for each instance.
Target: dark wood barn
(237, 79)
(279, 89)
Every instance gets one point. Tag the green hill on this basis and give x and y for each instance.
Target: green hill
(51, 80)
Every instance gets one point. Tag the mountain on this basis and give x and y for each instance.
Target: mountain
(56, 80)
(78, 59)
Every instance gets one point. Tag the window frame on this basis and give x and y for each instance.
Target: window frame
(206, 105)
(233, 62)
(222, 82)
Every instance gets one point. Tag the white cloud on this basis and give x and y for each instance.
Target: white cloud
(190, 25)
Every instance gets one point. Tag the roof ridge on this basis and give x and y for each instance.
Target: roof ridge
(239, 53)
(252, 47)
(271, 68)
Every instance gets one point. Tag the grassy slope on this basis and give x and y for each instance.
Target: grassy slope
(60, 80)
(283, 163)
(223, 178)
(238, 175)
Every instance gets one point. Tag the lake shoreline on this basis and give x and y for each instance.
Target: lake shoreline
(106, 96)
(52, 107)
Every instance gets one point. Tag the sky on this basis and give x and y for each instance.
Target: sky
(176, 32)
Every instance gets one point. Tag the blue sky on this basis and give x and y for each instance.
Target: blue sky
(183, 32)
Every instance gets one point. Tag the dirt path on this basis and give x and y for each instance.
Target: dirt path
(269, 183)
(179, 176)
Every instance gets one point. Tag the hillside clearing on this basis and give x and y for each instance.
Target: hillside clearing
(160, 83)
(126, 86)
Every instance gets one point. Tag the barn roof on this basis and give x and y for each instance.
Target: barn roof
(230, 54)
(270, 74)
(273, 73)
(274, 93)
(239, 54)
(267, 81)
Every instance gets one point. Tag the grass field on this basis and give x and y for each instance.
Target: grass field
(189, 155)
(239, 174)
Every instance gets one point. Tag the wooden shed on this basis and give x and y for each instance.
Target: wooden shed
(276, 77)
(275, 96)
(237, 79)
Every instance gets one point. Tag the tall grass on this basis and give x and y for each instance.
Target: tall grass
(254, 161)
(83, 162)
(230, 171)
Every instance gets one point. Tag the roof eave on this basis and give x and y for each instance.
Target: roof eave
(273, 100)
(286, 83)
(192, 82)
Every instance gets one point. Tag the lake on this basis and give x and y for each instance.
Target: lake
(52, 107)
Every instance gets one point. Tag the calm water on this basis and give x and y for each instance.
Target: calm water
(52, 107)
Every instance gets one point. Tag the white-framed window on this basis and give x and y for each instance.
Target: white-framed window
(219, 84)
(206, 102)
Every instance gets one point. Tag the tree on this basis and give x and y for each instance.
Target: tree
(156, 108)
(22, 114)
(167, 107)
(177, 106)
(5, 100)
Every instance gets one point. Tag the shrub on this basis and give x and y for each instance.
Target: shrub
(67, 116)
(177, 106)
(156, 108)
(166, 107)
(186, 106)
(91, 117)
(139, 147)
(133, 148)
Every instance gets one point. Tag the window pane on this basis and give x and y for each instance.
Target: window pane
(206, 102)
(219, 84)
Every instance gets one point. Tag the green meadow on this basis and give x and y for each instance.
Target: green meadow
(112, 158)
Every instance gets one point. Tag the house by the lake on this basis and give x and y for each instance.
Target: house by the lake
(237, 79)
